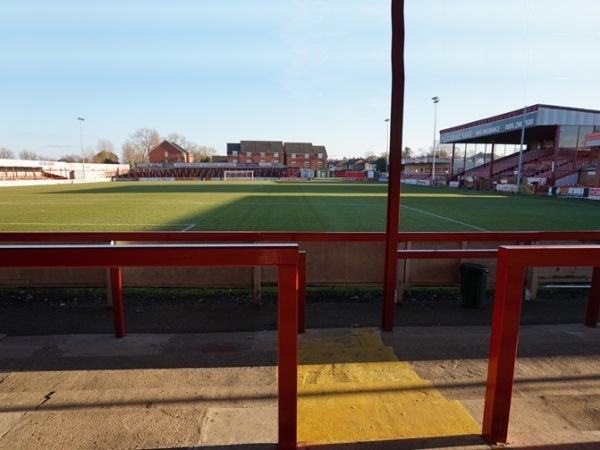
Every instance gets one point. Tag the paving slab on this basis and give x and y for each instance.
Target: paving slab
(218, 390)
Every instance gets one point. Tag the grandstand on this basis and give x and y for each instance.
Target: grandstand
(25, 171)
(556, 142)
(200, 171)
(537, 165)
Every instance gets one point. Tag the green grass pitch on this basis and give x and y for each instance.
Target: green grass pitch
(280, 206)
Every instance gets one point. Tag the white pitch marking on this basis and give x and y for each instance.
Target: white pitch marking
(189, 227)
(443, 218)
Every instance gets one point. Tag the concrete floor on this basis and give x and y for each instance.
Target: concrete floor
(218, 390)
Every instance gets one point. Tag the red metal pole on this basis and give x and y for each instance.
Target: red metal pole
(116, 287)
(510, 276)
(287, 326)
(302, 292)
(593, 309)
(395, 152)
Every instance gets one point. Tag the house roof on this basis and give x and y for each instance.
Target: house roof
(298, 147)
(171, 144)
(261, 146)
(320, 149)
(275, 146)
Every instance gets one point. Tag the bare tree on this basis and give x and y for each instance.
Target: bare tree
(6, 153)
(29, 155)
(370, 156)
(139, 145)
(199, 153)
(104, 145)
(203, 153)
(443, 151)
(183, 142)
(72, 158)
(131, 154)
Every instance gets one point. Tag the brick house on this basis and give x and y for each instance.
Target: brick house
(170, 152)
(256, 152)
(301, 158)
(304, 155)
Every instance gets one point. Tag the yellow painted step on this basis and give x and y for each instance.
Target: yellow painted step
(357, 372)
(360, 392)
(352, 388)
(350, 421)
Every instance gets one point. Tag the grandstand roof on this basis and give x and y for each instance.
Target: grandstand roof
(425, 160)
(540, 124)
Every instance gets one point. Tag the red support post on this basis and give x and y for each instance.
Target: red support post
(390, 280)
(510, 277)
(116, 289)
(593, 309)
(287, 328)
(302, 292)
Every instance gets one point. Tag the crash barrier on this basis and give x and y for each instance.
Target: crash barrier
(327, 252)
(335, 259)
(512, 262)
(591, 317)
(283, 256)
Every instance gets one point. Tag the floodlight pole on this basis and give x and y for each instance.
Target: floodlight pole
(81, 120)
(521, 150)
(435, 102)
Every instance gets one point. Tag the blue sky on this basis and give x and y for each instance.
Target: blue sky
(219, 71)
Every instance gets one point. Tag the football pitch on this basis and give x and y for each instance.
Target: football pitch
(280, 206)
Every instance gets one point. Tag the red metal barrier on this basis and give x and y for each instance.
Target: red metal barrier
(593, 308)
(510, 275)
(287, 236)
(447, 253)
(527, 237)
(284, 256)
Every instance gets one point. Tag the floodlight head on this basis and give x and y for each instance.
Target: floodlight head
(435, 99)
(80, 118)
(386, 120)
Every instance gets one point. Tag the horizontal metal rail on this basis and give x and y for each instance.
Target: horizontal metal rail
(508, 237)
(276, 236)
(447, 253)
(284, 256)
(508, 299)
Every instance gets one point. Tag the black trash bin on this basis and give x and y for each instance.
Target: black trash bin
(473, 280)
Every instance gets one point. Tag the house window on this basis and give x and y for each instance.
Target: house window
(320, 165)
(293, 156)
(249, 154)
(234, 161)
(306, 156)
(320, 155)
(293, 163)
(276, 154)
(262, 154)
(166, 154)
(234, 153)
(306, 164)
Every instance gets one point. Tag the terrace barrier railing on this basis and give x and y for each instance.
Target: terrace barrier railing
(512, 262)
(283, 256)
(510, 277)
(428, 244)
